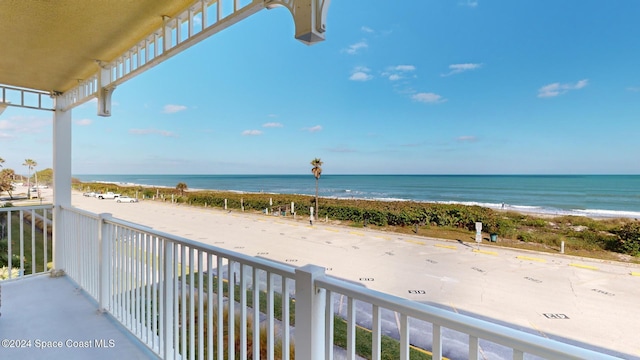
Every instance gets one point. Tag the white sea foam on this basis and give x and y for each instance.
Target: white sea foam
(608, 213)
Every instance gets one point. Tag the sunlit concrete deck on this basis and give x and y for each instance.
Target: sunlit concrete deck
(42, 309)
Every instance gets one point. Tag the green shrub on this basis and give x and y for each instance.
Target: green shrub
(629, 239)
(597, 235)
(534, 222)
(526, 237)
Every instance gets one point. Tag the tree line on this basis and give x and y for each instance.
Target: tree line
(8, 177)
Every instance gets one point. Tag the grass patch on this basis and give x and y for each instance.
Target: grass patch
(390, 346)
(262, 296)
(32, 241)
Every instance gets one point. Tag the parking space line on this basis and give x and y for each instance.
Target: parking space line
(583, 266)
(356, 233)
(446, 246)
(415, 242)
(633, 273)
(485, 252)
(531, 258)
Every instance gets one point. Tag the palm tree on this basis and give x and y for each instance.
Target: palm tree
(30, 164)
(1, 161)
(316, 171)
(181, 187)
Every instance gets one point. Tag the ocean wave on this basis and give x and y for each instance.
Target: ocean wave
(470, 203)
(608, 213)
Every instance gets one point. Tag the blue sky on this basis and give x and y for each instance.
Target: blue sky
(429, 87)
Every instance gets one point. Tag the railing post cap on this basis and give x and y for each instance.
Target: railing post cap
(311, 269)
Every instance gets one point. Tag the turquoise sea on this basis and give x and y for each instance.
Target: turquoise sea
(590, 195)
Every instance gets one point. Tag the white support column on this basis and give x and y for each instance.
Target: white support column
(310, 314)
(61, 176)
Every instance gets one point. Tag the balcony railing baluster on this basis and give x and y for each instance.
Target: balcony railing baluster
(25, 231)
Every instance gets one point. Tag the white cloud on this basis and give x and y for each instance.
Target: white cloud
(5, 125)
(458, 68)
(355, 48)
(152, 131)
(467, 138)
(24, 125)
(314, 128)
(556, 89)
(360, 76)
(360, 73)
(582, 83)
(367, 29)
(251, 133)
(84, 122)
(272, 125)
(394, 73)
(170, 109)
(404, 68)
(429, 98)
(470, 3)
(634, 88)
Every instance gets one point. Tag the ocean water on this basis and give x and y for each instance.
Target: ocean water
(588, 195)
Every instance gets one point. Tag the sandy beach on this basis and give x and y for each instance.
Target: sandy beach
(511, 286)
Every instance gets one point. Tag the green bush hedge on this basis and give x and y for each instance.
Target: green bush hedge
(620, 235)
(628, 241)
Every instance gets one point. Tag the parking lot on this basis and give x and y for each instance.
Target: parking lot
(589, 302)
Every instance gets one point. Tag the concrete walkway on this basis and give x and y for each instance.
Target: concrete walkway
(49, 318)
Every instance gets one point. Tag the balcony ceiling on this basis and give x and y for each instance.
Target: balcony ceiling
(50, 45)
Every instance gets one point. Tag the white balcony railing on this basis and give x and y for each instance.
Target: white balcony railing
(25, 240)
(185, 299)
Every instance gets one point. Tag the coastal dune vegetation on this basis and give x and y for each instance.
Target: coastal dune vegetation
(606, 238)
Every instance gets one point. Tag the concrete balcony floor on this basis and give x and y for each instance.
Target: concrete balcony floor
(42, 309)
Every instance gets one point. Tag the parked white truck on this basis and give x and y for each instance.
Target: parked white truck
(108, 195)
